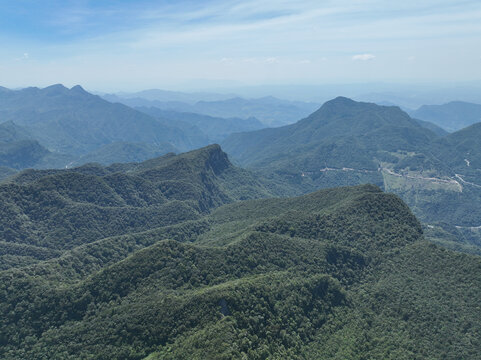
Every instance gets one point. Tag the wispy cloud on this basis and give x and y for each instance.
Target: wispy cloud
(363, 57)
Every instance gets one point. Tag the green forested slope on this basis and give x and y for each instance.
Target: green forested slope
(62, 209)
(342, 132)
(339, 273)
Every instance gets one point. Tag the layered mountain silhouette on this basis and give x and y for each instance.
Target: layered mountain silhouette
(73, 121)
(451, 116)
(61, 127)
(269, 110)
(215, 128)
(19, 150)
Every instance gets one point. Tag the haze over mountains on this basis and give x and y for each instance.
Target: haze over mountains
(58, 127)
(216, 128)
(269, 110)
(451, 116)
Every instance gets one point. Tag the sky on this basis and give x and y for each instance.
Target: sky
(133, 45)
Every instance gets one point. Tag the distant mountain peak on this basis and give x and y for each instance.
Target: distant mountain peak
(345, 105)
(341, 100)
(215, 157)
(56, 89)
(78, 89)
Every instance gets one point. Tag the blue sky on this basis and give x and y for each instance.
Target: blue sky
(132, 45)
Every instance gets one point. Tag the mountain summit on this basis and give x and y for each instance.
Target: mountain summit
(342, 133)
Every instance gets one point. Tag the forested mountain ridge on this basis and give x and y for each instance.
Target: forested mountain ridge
(189, 257)
(62, 209)
(308, 277)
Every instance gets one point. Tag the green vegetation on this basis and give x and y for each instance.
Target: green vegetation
(349, 143)
(19, 150)
(63, 209)
(189, 257)
(156, 267)
(342, 133)
(433, 127)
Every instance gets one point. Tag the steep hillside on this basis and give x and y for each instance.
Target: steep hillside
(11, 132)
(368, 127)
(433, 127)
(461, 150)
(19, 150)
(340, 273)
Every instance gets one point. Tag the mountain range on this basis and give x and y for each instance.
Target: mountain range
(269, 110)
(57, 127)
(164, 260)
(215, 128)
(76, 122)
(300, 256)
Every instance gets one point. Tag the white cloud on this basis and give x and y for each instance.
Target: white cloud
(271, 60)
(363, 57)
